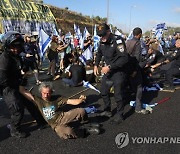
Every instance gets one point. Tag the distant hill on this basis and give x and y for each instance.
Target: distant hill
(65, 19)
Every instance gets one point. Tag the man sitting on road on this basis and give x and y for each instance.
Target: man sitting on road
(52, 111)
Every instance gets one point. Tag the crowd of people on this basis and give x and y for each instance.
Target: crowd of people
(125, 65)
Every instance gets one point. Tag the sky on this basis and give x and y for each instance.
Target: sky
(127, 14)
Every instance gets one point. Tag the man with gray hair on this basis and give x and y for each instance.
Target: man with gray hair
(53, 112)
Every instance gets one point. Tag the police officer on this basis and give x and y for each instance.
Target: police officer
(11, 79)
(174, 70)
(115, 56)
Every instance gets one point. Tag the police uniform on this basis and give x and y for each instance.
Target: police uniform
(115, 56)
(10, 80)
(174, 70)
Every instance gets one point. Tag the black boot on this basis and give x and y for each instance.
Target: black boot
(15, 132)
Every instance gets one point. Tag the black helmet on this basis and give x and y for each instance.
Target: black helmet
(12, 37)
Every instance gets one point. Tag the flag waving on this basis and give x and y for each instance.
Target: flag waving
(44, 42)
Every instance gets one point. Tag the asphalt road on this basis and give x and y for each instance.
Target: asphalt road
(161, 129)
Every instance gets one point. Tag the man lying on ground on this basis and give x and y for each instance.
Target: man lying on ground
(52, 111)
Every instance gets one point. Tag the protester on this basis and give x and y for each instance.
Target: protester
(52, 110)
(114, 51)
(77, 73)
(136, 79)
(62, 51)
(174, 70)
(29, 57)
(11, 79)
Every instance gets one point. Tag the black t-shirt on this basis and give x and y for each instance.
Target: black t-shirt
(78, 73)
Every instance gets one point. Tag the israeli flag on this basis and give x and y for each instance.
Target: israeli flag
(78, 33)
(75, 29)
(55, 32)
(44, 42)
(88, 85)
(158, 34)
(88, 53)
(82, 59)
(176, 82)
(118, 33)
(110, 28)
(96, 39)
(81, 41)
(161, 26)
(130, 36)
(133, 104)
(85, 33)
(155, 87)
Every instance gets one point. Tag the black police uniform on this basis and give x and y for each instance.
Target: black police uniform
(174, 70)
(10, 80)
(115, 56)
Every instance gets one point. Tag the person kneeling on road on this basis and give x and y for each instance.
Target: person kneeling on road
(52, 111)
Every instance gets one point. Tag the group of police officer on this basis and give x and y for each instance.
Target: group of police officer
(122, 62)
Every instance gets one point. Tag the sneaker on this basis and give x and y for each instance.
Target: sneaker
(143, 111)
(106, 114)
(16, 133)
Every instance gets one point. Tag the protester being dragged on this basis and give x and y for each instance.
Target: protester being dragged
(29, 57)
(10, 81)
(54, 112)
(77, 73)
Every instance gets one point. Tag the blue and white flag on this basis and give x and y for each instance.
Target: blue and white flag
(154, 87)
(82, 59)
(75, 29)
(44, 42)
(85, 33)
(96, 39)
(88, 53)
(158, 34)
(130, 36)
(161, 26)
(176, 81)
(110, 28)
(118, 33)
(81, 42)
(88, 85)
(133, 104)
(55, 32)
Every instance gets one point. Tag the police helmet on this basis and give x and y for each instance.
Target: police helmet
(12, 37)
